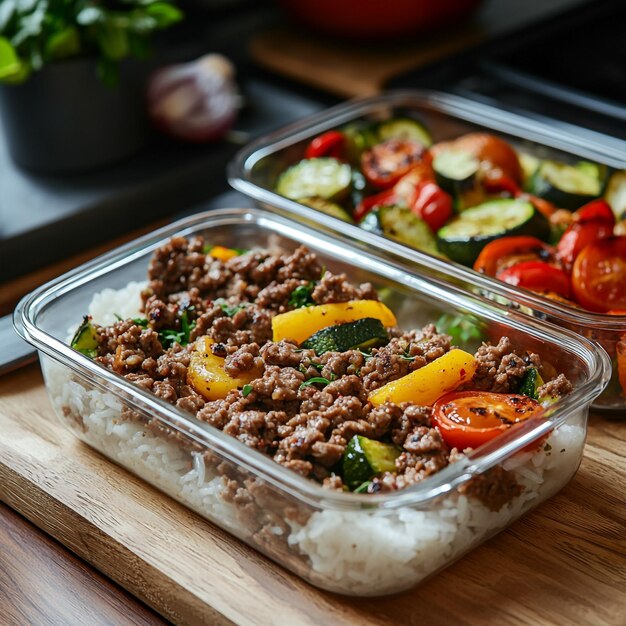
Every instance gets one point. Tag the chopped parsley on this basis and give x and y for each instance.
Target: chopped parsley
(141, 321)
(363, 487)
(302, 296)
(230, 309)
(246, 390)
(170, 336)
(314, 381)
(118, 317)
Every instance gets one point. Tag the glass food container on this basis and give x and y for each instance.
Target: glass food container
(350, 543)
(256, 168)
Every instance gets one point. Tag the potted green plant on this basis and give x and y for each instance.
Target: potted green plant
(72, 78)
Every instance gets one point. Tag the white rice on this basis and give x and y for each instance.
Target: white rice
(359, 552)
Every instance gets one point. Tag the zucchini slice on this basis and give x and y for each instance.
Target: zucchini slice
(328, 207)
(530, 164)
(360, 136)
(85, 339)
(325, 178)
(530, 383)
(405, 129)
(364, 458)
(401, 224)
(466, 235)
(363, 334)
(615, 194)
(569, 186)
(455, 170)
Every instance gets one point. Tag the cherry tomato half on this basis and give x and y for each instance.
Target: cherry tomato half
(468, 419)
(537, 276)
(506, 251)
(330, 144)
(385, 163)
(595, 210)
(599, 275)
(578, 236)
(432, 204)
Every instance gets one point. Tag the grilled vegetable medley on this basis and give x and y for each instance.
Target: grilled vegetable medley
(555, 228)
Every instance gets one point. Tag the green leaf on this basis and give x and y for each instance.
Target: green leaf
(113, 42)
(63, 44)
(246, 390)
(89, 15)
(315, 380)
(165, 15)
(302, 296)
(10, 64)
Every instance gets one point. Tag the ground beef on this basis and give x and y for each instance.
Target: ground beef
(300, 409)
(494, 488)
(556, 388)
(500, 368)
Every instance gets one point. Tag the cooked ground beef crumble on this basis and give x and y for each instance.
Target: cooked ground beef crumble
(305, 428)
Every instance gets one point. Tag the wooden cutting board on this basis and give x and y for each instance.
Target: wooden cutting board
(560, 565)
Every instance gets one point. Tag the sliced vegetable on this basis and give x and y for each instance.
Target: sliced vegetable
(463, 238)
(615, 194)
(455, 170)
(529, 164)
(222, 253)
(402, 225)
(578, 236)
(405, 129)
(206, 373)
(329, 144)
(360, 136)
(599, 275)
(362, 334)
(496, 156)
(330, 208)
(506, 251)
(537, 276)
(432, 205)
(531, 382)
(325, 178)
(300, 324)
(385, 163)
(365, 458)
(596, 210)
(621, 364)
(569, 186)
(85, 339)
(427, 384)
(468, 419)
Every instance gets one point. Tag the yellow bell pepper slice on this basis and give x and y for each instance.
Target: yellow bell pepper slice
(427, 384)
(206, 372)
(222, 253)
(301, 323)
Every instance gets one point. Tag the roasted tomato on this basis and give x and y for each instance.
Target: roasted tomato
(506, 251)
(537, 276)
(599, 275)
(385, 163)
(329, 144)
(468, 419)
(432, 204)
(498, 159)
(621, 364)
(591, 222)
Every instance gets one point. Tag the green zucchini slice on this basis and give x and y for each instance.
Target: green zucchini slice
(530, 383)
(85, 339)
(455, 170)
(362, 334)
(615, 194)
(530, 164)
(569, 186)
(401, 224)
(360, 136)
(405, 129)
(466, 235)
(325, 178)
(328, 207)
(365, 458)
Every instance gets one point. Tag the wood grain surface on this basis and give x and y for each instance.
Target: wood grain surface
(563, 564)
(42, 583)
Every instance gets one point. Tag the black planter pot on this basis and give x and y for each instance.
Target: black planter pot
(63, 119)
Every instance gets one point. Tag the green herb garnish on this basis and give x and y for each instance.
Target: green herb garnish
(118, 317)
(315, 380)
(170, 336)
(231, 310)
(302, 296)
(141, 321)
(461, 328)
(246, 390)
(363, 487)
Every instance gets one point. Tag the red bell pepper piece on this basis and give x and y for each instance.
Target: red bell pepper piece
(432, 204)
(495, 253)
(599, 210)
(578, 236)
(537, 276)
(329, 144)
(384, 198)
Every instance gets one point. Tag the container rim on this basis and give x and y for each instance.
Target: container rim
(565, 137)
(27, 311)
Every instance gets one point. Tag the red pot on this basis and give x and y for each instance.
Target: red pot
(380, 19)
